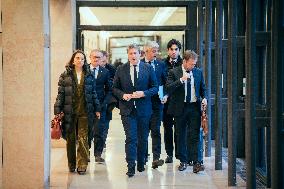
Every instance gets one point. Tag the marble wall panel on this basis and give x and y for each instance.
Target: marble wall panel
(23, 94)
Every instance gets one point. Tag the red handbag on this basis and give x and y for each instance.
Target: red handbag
(56, 129)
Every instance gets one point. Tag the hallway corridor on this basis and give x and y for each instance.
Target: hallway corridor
(111, 175)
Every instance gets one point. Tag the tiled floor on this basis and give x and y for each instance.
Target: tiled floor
(111, 175)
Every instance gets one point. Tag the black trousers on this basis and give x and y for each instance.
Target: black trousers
(154, 127)
(170, 132)
(189, 131)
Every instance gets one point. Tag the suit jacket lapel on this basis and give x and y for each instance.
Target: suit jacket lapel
(179, 72)
(194, 76)
(140, 73)
(127, 74)
(156, 66)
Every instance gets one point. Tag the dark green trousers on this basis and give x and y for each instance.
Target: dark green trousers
(79, 131)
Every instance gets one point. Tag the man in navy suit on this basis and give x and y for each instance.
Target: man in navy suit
(104, 92)
(151, 50)
(134, 85)
(112, 103)
(186, 87)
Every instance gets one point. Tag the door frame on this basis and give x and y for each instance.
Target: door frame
(190, 28)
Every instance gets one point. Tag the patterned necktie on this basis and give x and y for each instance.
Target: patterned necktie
(188, 95)
(173, 62)
(189, 78)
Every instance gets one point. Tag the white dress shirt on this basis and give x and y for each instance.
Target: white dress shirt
(96, 69)
(132, 72)
(192, 95)
(151, 63)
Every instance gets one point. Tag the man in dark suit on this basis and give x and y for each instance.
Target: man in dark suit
(105, 63)
(104, 92)
(112, 103)
(134, 85)
(186, 86)
(172, 61)
(151, 50)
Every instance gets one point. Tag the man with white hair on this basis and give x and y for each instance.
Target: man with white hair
(151, 50)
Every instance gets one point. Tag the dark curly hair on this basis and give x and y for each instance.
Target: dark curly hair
(174, 42)
(70, 62)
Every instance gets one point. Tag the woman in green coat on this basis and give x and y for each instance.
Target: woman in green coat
(77, 99)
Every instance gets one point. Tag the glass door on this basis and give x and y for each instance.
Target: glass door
(111, 26)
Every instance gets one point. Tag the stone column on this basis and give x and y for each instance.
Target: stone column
(1, 99)
(25, 42)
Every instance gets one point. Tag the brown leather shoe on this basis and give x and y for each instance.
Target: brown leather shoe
(198, 167)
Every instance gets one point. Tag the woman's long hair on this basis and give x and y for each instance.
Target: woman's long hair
(70, 63)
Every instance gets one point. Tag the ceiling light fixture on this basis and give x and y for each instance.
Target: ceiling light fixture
(161, 16)
(89, 18)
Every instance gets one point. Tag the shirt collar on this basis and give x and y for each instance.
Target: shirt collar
(184, 71)
(173, 60)
(131, 65)
(92, 67)
(149, 61)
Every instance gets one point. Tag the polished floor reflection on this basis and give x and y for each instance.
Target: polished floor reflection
(111, 175)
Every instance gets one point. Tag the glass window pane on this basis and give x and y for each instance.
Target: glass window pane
(149, 16)
(116, 42)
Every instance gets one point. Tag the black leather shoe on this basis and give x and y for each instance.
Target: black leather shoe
(157, 163)
(131, 171)
(140, 168)
(198, 167)
(169, 159)
(182, 166)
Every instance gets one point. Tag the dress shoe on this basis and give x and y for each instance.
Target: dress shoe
(131, 171)
(140, 168)
(169, 159)
(99, 159)
(182, 166)
(81, 171)
(198, 167)
(157, 163)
